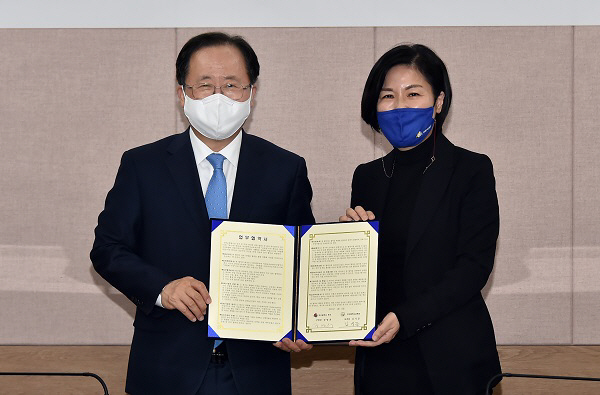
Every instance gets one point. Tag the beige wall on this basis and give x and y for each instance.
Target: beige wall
(72, 100)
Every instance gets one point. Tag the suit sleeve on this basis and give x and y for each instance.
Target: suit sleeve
(299, 211)
(478, 232)
(116, 241)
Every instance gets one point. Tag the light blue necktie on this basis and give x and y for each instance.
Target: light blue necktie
(216, 192)
(216, 195)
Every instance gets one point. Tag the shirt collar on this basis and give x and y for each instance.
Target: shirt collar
(231, 152)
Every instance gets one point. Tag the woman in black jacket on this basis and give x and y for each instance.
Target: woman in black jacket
(439, 222)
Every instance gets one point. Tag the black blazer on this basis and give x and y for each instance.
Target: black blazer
(155, 228)
(449, 257)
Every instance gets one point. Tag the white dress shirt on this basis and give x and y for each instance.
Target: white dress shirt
(205, 169)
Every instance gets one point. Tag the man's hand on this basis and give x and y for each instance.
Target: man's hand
(385, 332)
(288, 345)
(357, 214)
(187, 295)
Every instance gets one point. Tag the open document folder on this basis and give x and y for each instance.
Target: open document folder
(313, 282)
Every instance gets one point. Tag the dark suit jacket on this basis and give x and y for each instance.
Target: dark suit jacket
(449, 257)
(155, 228)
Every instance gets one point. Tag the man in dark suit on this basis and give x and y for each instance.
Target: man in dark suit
(153, 236)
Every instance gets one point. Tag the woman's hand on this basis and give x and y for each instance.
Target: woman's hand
(385, 332)
(357, 214)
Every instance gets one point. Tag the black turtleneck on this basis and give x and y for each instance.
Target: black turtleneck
(404, 186)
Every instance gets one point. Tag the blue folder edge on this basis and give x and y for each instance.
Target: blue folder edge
(291, 229)
(374, 225)
(289, 335)
(212, 333)
(370, 334)
(215, 224)
(304, 229)
(300, 336)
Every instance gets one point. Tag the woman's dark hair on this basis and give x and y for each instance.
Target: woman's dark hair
(214, 39)
(415, 55)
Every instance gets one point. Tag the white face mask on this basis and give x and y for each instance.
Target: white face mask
(216, 116)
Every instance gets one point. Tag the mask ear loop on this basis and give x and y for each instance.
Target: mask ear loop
(382, 161)
(433, 153)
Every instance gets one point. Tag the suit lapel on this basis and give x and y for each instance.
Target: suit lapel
(247, 179)
(182, 165)
(434, 184)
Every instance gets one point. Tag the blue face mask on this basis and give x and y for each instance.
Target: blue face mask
(406, 127)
